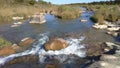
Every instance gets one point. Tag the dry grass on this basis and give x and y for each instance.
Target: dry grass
(105, 12)
(67, 12)
(7, 11)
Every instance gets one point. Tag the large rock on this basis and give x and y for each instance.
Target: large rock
(56, 44)
(38, 19)
(94, 50)
(98, 49)
(26, 41)
(6, 50)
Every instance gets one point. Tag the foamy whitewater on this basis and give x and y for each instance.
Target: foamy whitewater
(74, 48)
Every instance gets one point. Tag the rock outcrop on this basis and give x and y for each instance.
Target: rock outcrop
(56, 44)
(38, 19)
(6, 50)
(108, 60)
(99, 49)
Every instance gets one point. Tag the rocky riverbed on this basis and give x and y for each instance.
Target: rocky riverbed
(80, 45)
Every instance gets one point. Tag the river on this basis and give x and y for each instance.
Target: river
(58, 28)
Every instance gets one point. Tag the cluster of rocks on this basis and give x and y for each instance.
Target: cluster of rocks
(17, 21)
(109, 59)
(15, 48)
(112, 29)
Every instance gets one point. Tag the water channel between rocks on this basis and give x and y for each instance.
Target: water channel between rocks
(58, 28)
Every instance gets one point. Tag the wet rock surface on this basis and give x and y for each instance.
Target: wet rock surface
(56, 44)
(15, 48)
(6, 50)
(25, 44)
(28, 61)
(32, 61)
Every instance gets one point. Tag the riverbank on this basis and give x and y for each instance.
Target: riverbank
(16, 11)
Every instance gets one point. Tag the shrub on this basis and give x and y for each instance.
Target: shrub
(98, 17)
(113, 17)
(94, 19)
(67, 12)
(19, 1)
(32, 2)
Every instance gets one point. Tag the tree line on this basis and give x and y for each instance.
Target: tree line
(110, 2)
(30, 2)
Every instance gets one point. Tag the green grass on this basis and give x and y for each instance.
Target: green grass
(4, 42)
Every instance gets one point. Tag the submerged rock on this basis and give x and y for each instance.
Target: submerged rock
(27, 61)
(56, 44)
(83, 20)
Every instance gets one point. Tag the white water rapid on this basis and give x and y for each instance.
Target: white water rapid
(74, 48)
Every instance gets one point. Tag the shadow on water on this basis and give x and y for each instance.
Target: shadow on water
(117, 38)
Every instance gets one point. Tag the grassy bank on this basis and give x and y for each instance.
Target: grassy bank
(9, 11)
(25, 8)
(109, 13)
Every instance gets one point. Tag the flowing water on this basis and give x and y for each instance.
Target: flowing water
(37, 48)
(53, 26)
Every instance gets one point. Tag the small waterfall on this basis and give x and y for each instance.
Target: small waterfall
(74, 48)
